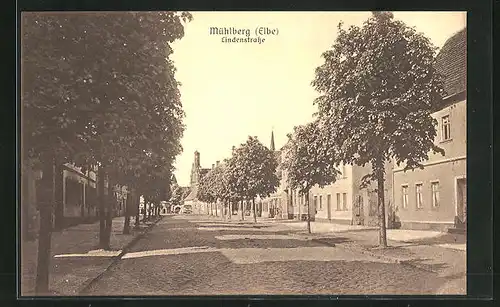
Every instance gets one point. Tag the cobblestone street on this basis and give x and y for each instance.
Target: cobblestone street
(193, 255)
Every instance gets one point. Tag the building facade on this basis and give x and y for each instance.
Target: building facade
(75, 198)
(340, 202)
(436, 197)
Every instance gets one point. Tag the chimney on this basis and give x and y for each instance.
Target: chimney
(213, 166)
(217, 163)
(234, 148)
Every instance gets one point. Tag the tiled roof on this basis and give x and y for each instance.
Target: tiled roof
(452, 63)
(192, 194)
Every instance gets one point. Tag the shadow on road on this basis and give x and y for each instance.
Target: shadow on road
(441, 239)
(424, 263)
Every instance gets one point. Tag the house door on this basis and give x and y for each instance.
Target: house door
(462, 200)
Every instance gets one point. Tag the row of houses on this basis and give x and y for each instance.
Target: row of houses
(77, 201)
(434, 197)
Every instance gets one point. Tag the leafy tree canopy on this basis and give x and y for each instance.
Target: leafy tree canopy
(309, 158)
(257, 168)
(378, 87)
(99, 88)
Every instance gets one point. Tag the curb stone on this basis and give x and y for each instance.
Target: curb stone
(87, 285)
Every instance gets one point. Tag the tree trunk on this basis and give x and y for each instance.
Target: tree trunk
(230, 210)
(126, 226)
(58, 205)
(254, 212)
(308, 213)
(138, 213)
(381, 208)
(216, 208)
(102, 207)
(242, 210)
(45, 203)
(109, 215)
(44, 246)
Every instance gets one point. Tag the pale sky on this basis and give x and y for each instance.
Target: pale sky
(233, 90)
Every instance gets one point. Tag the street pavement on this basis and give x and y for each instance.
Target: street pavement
(197, 255)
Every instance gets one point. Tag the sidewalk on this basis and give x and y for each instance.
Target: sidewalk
(323, 227)
(399, 237)
(68, 275)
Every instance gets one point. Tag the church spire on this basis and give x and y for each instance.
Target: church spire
(272, 140)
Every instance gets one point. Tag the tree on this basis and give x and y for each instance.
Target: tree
(234, 177)
(217, 186)
(124, 124)
(257, 169)
(309, 159)
(177, 195)
(49, 127)
(260, 171)
(221, 187)
(205, 190)
(378, 88)
(99, 89)
(227, 188)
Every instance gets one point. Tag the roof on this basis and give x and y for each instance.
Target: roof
(192, 195)
(452, 63)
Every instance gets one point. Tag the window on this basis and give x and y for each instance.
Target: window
(329, 202)
(404, 193)
(315, 201)
(338, 202)
(435, 193)
(321, 202)
(418, 193)
(445, 123)
(344, 200)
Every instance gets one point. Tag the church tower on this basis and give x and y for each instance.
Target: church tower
(195, 169)
(272, 141)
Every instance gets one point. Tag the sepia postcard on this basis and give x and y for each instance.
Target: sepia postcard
(243, 153)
